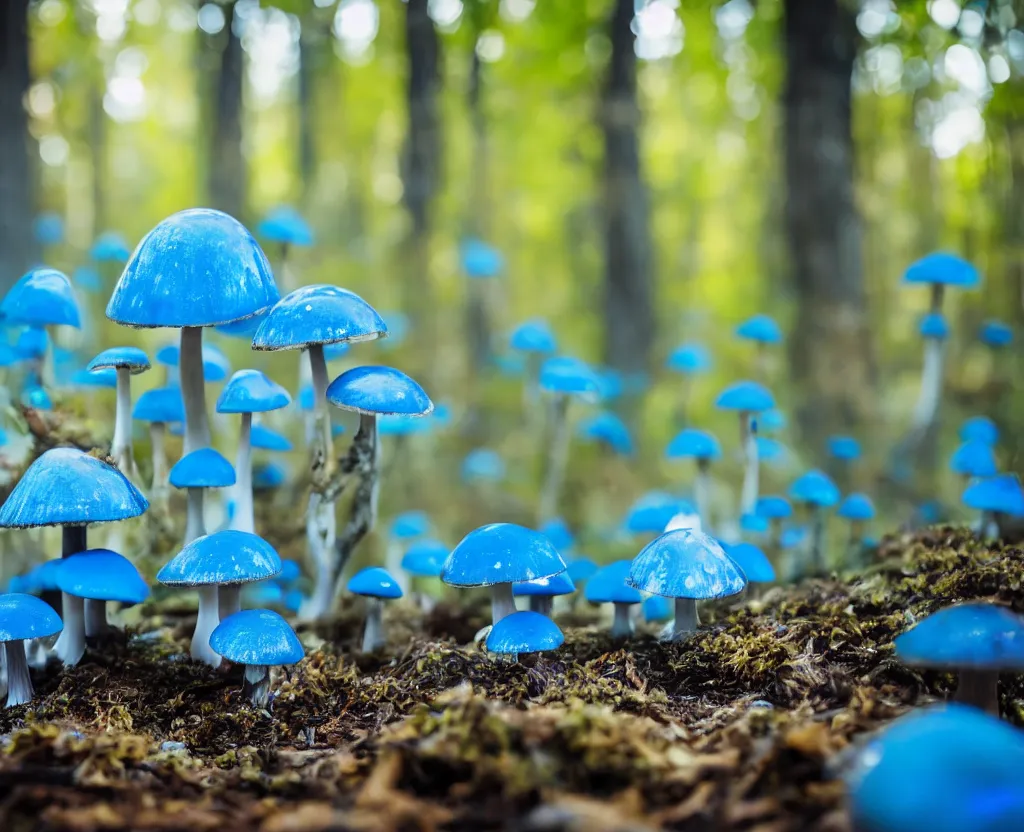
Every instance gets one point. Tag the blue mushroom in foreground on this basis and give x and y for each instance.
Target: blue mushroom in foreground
(23, 617)
(524, 632)
(377, 586)
(260, 640)
(608, 586)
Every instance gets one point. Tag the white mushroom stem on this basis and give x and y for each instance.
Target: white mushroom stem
(927, 405)
(229, 600)
(988, 526)
(558, 457)
(193, 390)
(686, 622)
(622, 624)
(702, 491)
(543, 604)
(157, 434)
(748, 498)
(195, 523)
(393, 563)
(121, 448)
(96, 618)
(258, 677)
(321, 532)
(70, 647)
(502, 602)
(244, 519)
(19, 683)
(817, 540)
(373, 634)
(206, 623)
(321, 417)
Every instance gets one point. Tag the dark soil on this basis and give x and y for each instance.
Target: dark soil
(735, 729)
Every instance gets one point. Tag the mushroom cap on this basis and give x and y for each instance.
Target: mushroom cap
(558, 532)
(856, 507)
(203, 468)
(378, 390)
(32, 342)
(68, 487)
(580, 570)
(164, 404)
(793, 536)
(318, 314)
(501, 553)
(608, 428)
(480, 260)
(560, 584)
(410, 524)
(943, 268)
(816, 488)
(132, 358)
(751, 522)
(981, 428)
(774, 507)
(196, 268)
(374, 582)
(996, 334)
(269, 475)
(48, 228)
(689, 358)
(258, 638)
(25, 616)
(43, 576)
(227, 557)
(570, 376)
(944, 768)
(483, 465)
(87, 279)
(105, 377)
(760, 328)
(524, 632)
(534, 335)
(285, 225)
(657, 608)
(102, 575)
(110, 247)
(290, 572)
(401, 424)
(771, 421)
(844, 447)
(8, 355)
(965, 636)
(652, 512)
(608, 585)
(934, 325)
(769, 449)
(692, 442)
(250, 391)
(686, 564)
(41, 297)
(1001, 493)
(746, 397)
(974, 459)
(753, 562)
(425, 557)
(339, 349)
(268, 439)
(244, 329)
(215, 364)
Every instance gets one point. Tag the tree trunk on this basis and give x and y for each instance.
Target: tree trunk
(311, 40)
(478, 323)
(16, 198)
(226, 172)
(628, 295)
(830, 347)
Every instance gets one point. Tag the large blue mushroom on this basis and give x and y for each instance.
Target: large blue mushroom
(260, 640)
(22, 617)
(524, 632)
(126, 361)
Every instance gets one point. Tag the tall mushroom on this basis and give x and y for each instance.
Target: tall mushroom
(746, 399)
(127, 361)
(160, 407)
(195, 472)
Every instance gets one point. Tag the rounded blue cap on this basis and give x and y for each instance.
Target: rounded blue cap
(608, 585)
(132, 358)
(41, 297)
(258, 638)
(25, 616)
(686, 564)
(203, 468)
(524, 632)
(378, 390)
(501, 553)
(975, 636)
(226, 557)
(318, 314)
(102, 575)
(250, 391)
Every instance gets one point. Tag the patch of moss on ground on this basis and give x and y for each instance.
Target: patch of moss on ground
(734, 729)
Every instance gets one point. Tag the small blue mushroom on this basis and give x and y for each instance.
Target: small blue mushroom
(480, 260)
(483, 465)
(524, 632)
(533, 336)
(974, 459)
(996, 498)
(752, 561)
(425, 557)
(42, 297)
(376, 585)
(201, 469)
(608, 429)
(763, 331)
(409, 525)
(859, 510)
(747, 398)
(653, 511)
(558, 532)
(816, 490)
(260, 640)
(995, 334)
(159, 407)
(656, 608)
(48, 228)
(703, 448)
(110, 247)
(23, 617)
(126, 362)
(580, 570)
(268, 476)
(689, 359)
(979, 428)
(608, 585)
(844, 448)
(542, 591)
(286, 226)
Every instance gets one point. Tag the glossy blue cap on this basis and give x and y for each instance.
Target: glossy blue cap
(268, 439)
(976, 636)
(686, 564)
(580, 570)
(974, 459)
(66, 486)
(980, 428)
(571, 376)
(558, 532)
(106, 377)
(774, 507)
(845, 448)
(996, 334)
(653, 511)
(225, 557)
(760, 328)
(425, 558)
(164, 404)
(198, 267)
(480, 260)
(374, 582)
(815, 487)
(695, 443)
(607, 428)
(483, 465)
(285, 225)
(534, 335)
(608, 585)
(410, 524)
(25, 616)
(250, 391)
(318, 314)
(942, 267)
(102, 575)
(41, 297)
(689, 359)
(560, 584)
(753, 563)
(524, 632)
(934, 325)
(1001, 493)
(269, 475)
(244, 329)
(745, 396)
(203, 468)
(258, 638)
(134, 359)
(501, 553)
(856, 507)
(378, 390)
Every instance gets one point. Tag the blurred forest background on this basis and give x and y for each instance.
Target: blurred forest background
(650, 172)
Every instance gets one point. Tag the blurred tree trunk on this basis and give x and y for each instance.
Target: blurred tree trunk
(628, 286)
(478, 321)
(226, 170)
(830, 347)
(98, 153)
(16, 161)
(313, 38)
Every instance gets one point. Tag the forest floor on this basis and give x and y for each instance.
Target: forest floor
(738, 728)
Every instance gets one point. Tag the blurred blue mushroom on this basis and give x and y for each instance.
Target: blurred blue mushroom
(260, 640)
(376, 585)
(286, 226)
(764, 332)
(48, 228)
(844, 448)
(524, 632)
(752, 561)
(974, 459)
(110, 247)
(653, 511)
(159, 407)
(747, 398)
(997, 498)
(195, 472)
(609, 430)
(979, 428)
(703, 448)
(608, 585)
(817, 492)
(995, 334)
(656, 608)
(22, 618)
(542, 591)
(483, 465)
(480, 260)
(858, 509)
(558, 532)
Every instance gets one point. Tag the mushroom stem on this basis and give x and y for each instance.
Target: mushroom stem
(702, 491)
(979, 688)
(622, 624)
(817, 540)
(558, 458)
(206, 623)
(321, 526)
(73, 540)
(989, 526)
(373, 634)
(531, 386)
(393, 563)
(244, 519)
(687, 620)
(937, 293)
(121, 446)
(96, 618)
(322, 460)
(195, 524)
(229, 600)
(70, 647)
(502, 602)
(157, 434)
(193, 389)
(19, 683)
(258, 677)
(931, 386)
(748, 498)
(544, 604)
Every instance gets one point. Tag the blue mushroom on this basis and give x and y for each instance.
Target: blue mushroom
(688, 566)
(480, 260)
(703, 448)
(533, 336)
(483, 465)
(215, 364)
(268, 476)
(497, 556)
(218, 565)
(747, 398)
(859, 510)
(267, 439)
(752, 561)
(87, 279)
(558, 532)
(376, 585)
(607, 429)
(656, 608)
(978, 640)
(425, 557)
(760, 328)
(689, 359)
(580, 570)
(260, 640)
(126, 362)
(974, 459)
(816, 490)
(653, 511)
(159, 407)
(410, 524)
(201, 469)
(23, 617)
(110, 247)
(844, 448)
(608, 585)
(979, 428)
(286, 226)
(996, 498)
(542, 591)
(42, 297)
(48, 228)
(105, 378)
(774, 507)
(995, 334)
(524, 632)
